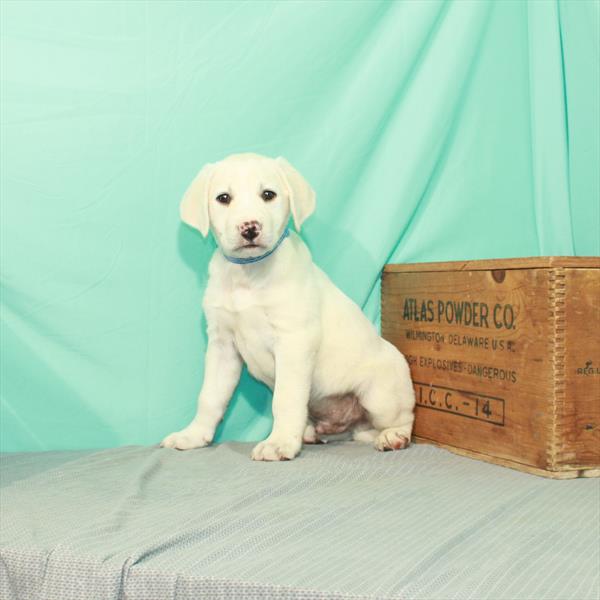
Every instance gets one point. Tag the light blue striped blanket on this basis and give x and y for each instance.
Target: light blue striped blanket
(340, 522)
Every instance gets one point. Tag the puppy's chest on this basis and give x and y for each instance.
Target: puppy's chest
(253, 333)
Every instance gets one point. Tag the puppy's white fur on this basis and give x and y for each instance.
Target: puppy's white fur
(328, 368)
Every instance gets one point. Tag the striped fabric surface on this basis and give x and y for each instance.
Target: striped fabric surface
(340, 522)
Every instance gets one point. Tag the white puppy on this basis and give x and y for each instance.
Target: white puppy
(268, 305)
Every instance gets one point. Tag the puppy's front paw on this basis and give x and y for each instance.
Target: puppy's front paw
(277, 449)
(193, 436)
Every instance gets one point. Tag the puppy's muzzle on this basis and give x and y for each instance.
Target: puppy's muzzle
(250, 230)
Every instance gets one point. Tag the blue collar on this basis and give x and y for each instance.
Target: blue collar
(253, 259)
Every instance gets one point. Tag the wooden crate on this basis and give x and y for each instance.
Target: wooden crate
(505, 358)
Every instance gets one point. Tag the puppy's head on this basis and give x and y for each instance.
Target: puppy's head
(247, 199)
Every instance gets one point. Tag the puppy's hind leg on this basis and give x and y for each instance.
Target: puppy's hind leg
(390, 402)
(364, 432)
(310, 436)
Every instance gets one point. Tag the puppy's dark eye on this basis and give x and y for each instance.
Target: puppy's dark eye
(268, 195)
(224, 198)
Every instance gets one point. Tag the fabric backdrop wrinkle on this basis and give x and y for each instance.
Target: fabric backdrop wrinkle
(442, 130)
(549, 130)
(449, 119)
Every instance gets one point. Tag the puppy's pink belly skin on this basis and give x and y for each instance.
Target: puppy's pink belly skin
(327, 428)
(336, 414)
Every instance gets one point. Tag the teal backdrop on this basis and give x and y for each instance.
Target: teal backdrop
(429, 130)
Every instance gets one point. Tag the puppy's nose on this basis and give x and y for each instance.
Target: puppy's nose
(250, 233)
(250, 230)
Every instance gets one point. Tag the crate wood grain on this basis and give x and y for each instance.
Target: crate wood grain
(505, 358)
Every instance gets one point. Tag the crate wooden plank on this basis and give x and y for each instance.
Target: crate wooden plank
(568, 474)
(531, 262)
(578, 426)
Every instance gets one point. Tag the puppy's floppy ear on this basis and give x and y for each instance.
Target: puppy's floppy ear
(302, 196)
(194, 205)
